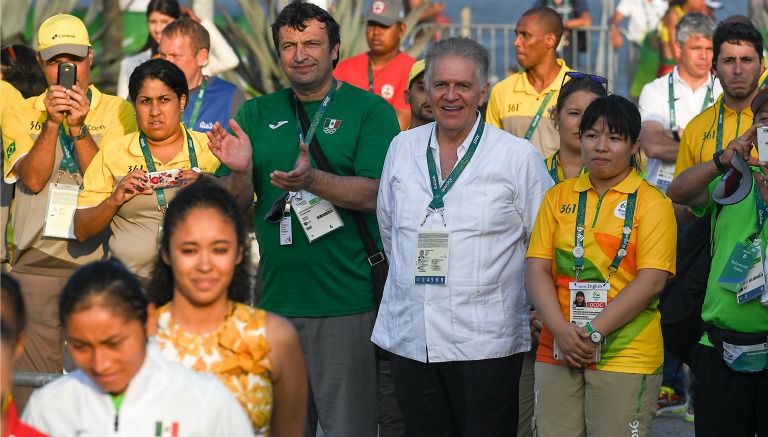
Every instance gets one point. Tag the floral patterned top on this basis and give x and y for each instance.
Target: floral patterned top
(236, 352)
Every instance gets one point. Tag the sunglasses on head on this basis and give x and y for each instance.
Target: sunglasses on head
(579, 75)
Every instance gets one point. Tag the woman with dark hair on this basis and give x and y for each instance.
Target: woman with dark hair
(13, 320)
(575, 95)
(20, 68)
(610, 234)
(159, 14)
(134, 177)
(124, 386)
(200, 284)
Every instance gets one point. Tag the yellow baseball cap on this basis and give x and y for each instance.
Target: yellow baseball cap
(62, 33)
(416, 69)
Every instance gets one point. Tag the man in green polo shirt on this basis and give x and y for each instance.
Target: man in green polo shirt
(313, 263)
(731, 360)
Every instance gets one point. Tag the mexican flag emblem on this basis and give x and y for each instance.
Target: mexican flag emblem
(330, 125)
(166, 429)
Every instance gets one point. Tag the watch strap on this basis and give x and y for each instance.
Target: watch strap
(722, 168)
(82, 134)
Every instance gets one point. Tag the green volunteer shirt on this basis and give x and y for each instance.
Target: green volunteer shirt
(331, 276)
(734, 223)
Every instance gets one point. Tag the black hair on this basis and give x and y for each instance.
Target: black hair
(160, 69)
(108, 283)
(573, 85)
(549, 20)
(21, 69)
(14, 319)
(170, 8)
(736, 33)
(296, 15)
(202, 194)
(620, 115)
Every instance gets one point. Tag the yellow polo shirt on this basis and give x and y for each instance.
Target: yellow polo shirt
(699, 139)
(514, 102)
(109, 117)
(135, 226)
(637, 346)
(8, 96)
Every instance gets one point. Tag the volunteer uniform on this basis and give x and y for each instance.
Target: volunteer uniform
(43, 264)
(475, 322)
(700, 139)
(389, 81)
(8, 96)
(729, 401)
(213, 100)
(519, 109)
(324, 287)
(670, 102)
(623, 386)
(135, 227)
(162, 399)
(555, 168)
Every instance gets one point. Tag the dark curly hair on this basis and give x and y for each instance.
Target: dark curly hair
(202, 194)
(736, 33)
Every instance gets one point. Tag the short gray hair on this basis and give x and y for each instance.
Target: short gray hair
(462, 47)
(694, 23)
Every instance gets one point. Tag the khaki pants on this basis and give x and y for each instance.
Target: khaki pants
(594, 403)
(43, 342)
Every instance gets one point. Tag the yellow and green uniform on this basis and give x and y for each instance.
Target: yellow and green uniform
(637, 346)
(135, 226)
(514, 103)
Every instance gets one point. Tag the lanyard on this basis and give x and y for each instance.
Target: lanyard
(761, 212)
(537, 117)
(318, 115)
(626, 231)
(672, 118)
(370, 74)
(765, 83)
(553, 168)
(160, 192)
(68, 163)
(192, 120)
(438, 191)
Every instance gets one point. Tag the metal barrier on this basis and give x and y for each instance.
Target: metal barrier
(33, 379)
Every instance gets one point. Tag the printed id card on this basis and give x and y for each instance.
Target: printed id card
(60, 212)
(743, 272)
(665, 175)
(432, 251)
(317, 216)
(587, 300)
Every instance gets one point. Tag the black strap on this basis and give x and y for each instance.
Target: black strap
(375, 256)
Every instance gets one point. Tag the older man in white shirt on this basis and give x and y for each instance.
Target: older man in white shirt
(456, 205)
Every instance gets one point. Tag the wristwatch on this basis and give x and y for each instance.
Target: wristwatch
(594, 335)
(81, 135)
(716, 158)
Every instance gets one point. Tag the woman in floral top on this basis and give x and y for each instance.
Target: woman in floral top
(199, 282)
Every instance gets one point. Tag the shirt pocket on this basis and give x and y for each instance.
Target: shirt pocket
(477, 311)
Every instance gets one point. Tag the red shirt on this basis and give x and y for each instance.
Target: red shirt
(17, 428)
(389, 81)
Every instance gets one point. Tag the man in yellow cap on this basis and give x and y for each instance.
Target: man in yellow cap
(48, 142)
(416, 97)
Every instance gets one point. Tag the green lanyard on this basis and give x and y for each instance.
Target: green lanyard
(68, 163)
(439, 191)
(318, 115)
(537, 117)
(192, 120)
(672, 119)
(761, 212)
(162, 203)
(370, 74)
(765, 83)
(553, 168)
(720, 117)
(626, 231)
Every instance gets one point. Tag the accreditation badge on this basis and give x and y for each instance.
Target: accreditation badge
(432, 252)
(60, 211)
(317, 216)
(743, 272)
(754, 283)
(665, 175)
(588, 299)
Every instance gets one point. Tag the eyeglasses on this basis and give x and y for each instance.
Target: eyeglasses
(579, 75)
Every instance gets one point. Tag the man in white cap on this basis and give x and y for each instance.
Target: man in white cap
(48, 142)
(383, 70)
(730, 359)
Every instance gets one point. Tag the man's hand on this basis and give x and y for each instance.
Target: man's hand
(743, 146)
(79, 105)
(300, 178)
(57, 103)
(233, 151)
(761, 179)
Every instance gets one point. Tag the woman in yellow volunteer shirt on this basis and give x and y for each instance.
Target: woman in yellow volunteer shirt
(609, 235)
(575, 95)
(118, 190)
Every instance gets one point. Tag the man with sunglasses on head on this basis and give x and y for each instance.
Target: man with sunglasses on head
(521, 103)
(48, 142)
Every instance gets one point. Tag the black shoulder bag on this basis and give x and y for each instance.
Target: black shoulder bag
(376, 258)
